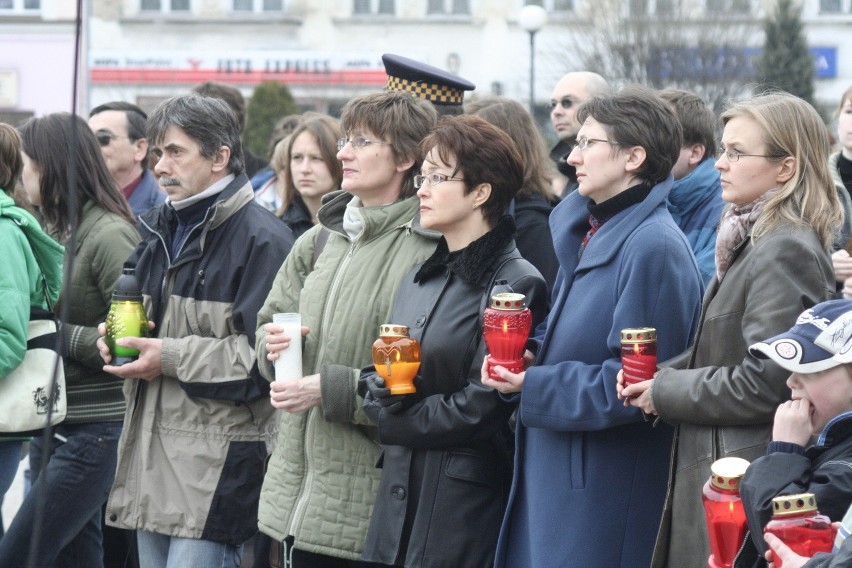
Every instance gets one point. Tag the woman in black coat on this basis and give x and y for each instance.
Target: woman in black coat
(447, 461)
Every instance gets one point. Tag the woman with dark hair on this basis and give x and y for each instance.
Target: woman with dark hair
(587, 468)
(31, 276)
(447, 448)
(77, 478)
(534, 201)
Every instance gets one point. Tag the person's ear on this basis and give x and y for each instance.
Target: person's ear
(786, 170)
(220, 161)
(636, 156)
(140, 153)
(481, 194)
(697, 153)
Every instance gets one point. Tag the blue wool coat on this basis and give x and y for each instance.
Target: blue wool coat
(588, 470)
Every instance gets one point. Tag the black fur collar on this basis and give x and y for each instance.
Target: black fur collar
(474, 260)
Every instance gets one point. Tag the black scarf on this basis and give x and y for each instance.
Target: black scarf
(473, 261)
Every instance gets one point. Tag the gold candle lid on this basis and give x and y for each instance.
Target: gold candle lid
(508, 301)
(393, 330)
(726, 473)
(794, 504)
(639, 335)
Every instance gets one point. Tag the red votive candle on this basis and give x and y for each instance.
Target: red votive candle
(638, 354)
(506, 327)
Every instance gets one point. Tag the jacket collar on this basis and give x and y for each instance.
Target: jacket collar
(231, 199)
(402, 214)
(475, 260)
(838, 428)
(569, 223)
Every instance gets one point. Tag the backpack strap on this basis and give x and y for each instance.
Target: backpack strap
(319, 244)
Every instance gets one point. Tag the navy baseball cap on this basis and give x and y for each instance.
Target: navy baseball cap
(435, 85)
(820, 340)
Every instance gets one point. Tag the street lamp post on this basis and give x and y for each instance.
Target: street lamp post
(532, 19)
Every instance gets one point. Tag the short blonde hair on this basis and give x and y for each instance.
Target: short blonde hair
(791, 127)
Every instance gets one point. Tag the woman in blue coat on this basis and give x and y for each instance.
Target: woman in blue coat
(589, 470)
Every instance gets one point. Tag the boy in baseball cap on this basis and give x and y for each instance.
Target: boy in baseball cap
(817, 351)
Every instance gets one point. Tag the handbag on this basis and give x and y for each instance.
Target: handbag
(25, 393)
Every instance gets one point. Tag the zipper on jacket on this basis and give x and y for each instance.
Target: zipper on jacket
(302, 502)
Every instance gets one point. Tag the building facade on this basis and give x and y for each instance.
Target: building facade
(328, 51)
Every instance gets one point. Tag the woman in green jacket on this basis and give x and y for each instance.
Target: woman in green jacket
(77, 478)
(32, 274)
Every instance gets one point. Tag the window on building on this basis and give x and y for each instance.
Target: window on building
(733, 7)
(638, 7)
(830, 6)
(553, 6)
(164, 5)
(19, 6)
(385, 7)
(247, 6)
(437, 7)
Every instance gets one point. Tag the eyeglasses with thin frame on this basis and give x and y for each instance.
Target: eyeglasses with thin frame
(583, 142)
(104, 138)
(357, 142)
(564, 102)
(735, 155)
(433, 179)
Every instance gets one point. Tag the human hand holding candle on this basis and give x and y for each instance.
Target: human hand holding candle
(637, 395)
(506, 382)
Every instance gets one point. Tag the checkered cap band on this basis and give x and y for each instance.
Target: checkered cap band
(432, 92)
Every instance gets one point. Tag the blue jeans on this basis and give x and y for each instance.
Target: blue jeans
(164, 551)
(74, 485)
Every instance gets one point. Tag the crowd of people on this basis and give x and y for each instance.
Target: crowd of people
(412, 208)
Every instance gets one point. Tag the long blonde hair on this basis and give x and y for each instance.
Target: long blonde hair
(791, 127)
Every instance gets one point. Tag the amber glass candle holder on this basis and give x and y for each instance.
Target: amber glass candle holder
(396, 357)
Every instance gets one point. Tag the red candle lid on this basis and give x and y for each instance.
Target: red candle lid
(793, 504)
(639, 335)
(393, 330)
(508, 301)
(727, 472)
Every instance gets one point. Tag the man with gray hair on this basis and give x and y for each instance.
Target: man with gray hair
(572, 90)
(198, 419)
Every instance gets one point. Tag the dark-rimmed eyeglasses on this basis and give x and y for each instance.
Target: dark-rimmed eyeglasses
(433, 179)
(104, 138)
(735, 155)
(564, 102)
(357, 142)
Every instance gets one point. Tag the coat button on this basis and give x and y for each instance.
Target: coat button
(113, 517)
(398, 492)
(420, 321)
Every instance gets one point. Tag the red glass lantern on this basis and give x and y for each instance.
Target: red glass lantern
(396, 358)
(726, 520)
(797, 522)
(638, 354)
(506, 327)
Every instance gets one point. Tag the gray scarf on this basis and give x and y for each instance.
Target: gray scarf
(734, 228)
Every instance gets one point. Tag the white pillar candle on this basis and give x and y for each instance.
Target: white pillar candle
(289, 363)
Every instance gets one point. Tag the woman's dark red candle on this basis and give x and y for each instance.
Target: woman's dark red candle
(506, 327)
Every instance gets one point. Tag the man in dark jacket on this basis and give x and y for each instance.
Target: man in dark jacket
(572, 90)
(198, 420)
(120, 129)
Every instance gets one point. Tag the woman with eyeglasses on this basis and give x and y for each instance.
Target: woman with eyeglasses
(587, 468)
(772, 263)
(448, 447)
(76, 480)
(319, 488)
